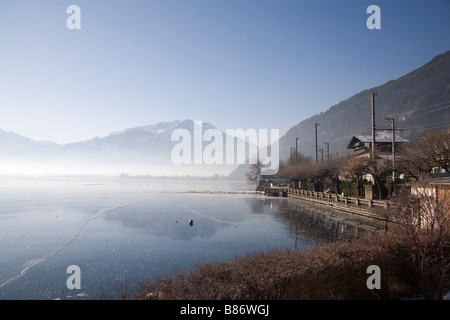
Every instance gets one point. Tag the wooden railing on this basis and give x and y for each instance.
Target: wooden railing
(329, 197)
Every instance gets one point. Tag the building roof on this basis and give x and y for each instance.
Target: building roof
(440, 179)
(381, 137)
(435, 179)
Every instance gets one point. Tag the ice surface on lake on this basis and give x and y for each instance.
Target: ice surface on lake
(121, 232)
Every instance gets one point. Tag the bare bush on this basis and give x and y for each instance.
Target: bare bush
(424, 228)
(334, 271)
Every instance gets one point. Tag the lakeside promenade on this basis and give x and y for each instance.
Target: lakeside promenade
(371, 209)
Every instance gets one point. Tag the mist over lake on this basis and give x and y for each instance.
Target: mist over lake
(121, 232)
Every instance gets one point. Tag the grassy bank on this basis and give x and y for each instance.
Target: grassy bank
(334, 271)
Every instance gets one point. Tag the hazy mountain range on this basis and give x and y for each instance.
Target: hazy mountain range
(142, 150)
(418, 101)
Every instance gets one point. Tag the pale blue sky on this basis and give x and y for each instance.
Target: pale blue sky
(233, 63)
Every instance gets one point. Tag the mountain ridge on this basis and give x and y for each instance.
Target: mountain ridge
(144, 150)
(409, 99)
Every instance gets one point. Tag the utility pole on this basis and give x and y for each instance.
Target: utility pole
(373, 94)
(292, 156)
(391, 120)
(296, 150)
(315, 137)
(328, 151)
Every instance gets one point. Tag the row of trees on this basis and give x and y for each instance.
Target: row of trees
(347, 174)
(343, 174)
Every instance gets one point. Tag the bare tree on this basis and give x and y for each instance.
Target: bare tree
(412, 161)
(380, 169)
(304, 171)
(329, 174)
(423, 226)
(254, 172)
(436, 146)
(355, 169)
(432, 150)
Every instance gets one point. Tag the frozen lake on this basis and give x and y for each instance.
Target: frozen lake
(120, 232)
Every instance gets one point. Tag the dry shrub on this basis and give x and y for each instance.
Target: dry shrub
(334, 271)
(423, 226)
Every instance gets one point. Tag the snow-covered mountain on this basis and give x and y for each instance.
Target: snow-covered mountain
(162, 129)
(144, 150)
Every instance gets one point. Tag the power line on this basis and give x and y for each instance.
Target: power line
(431, 126)
(418, 109)
(445, 122)
(418, 115)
